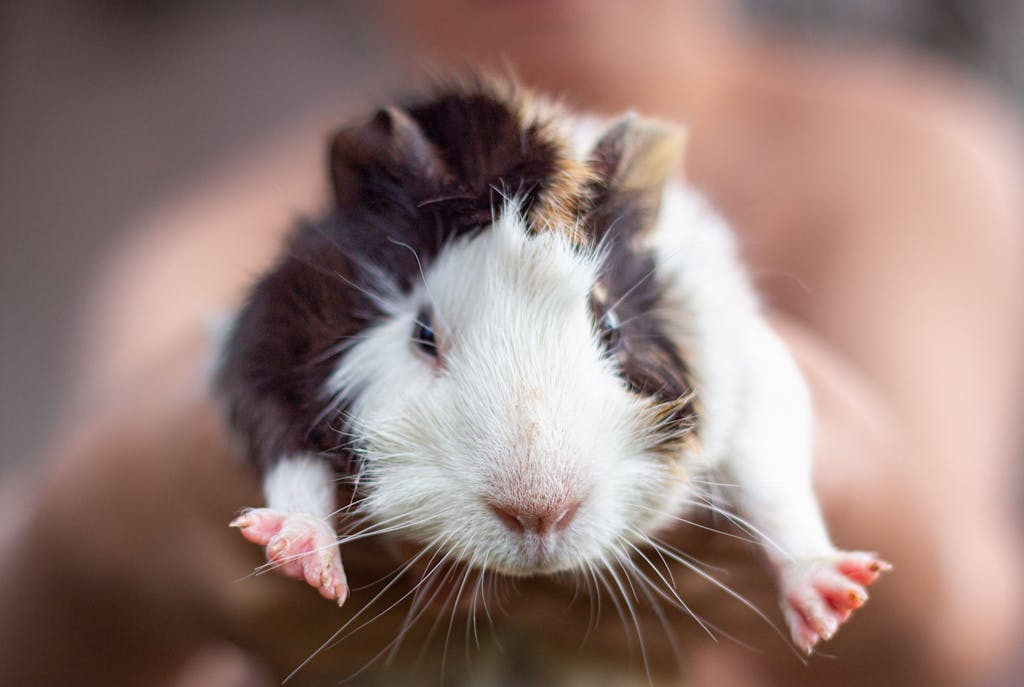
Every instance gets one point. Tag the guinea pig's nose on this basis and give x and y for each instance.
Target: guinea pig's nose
(539, 519)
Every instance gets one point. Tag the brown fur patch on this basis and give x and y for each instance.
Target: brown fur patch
(563, 202)
(676, 428)
(566, 195)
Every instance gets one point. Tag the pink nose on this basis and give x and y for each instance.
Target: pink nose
(541, 520)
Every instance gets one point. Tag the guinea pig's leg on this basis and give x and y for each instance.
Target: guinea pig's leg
(296, 525)
(820, 586)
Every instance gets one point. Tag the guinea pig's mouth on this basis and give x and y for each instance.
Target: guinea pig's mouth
(423, 563)
(535, 558)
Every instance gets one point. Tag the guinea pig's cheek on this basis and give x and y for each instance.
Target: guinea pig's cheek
(665, 504)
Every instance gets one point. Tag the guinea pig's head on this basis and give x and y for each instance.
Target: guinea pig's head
(476, 333)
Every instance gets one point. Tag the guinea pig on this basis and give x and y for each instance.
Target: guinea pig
(523, 341)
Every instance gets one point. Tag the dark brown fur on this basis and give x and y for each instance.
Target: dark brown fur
(406, 182)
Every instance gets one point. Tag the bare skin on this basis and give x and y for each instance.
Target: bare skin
(877, 201)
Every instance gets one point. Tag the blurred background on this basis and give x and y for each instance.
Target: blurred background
(108, 108)
(111, 108)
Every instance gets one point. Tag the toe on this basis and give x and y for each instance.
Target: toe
(820, 618)
(845, 599)
(286, 556)
(259, 525)
(323, 571)
(863, 568)
(316, 569)
(802, 634)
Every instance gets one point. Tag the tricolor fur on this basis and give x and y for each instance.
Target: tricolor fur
(482, 206)
(521, 337)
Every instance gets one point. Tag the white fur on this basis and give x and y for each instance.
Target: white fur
(757, 410)
(300, 485)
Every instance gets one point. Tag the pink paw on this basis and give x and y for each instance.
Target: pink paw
(819, 594)
(302, 547)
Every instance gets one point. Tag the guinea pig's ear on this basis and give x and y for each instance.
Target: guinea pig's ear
(635, 157)
(390, 145)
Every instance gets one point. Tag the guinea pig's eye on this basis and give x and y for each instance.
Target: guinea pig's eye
(610, 331)
(423, 334)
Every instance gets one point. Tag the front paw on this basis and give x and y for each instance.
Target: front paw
(819, 594)
(302, 547)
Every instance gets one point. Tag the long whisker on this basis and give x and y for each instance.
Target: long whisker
(392, 646)
(721, 585)
(633, 615)
(693, 523)
(647, 586)
(615, 603)
(595, 601)
(419, 605)
(331, 640)
(423, 278)
(451, 621)
(721, 631)
(672, 589)
(742, 523)
(440, 616)
(662, 544)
